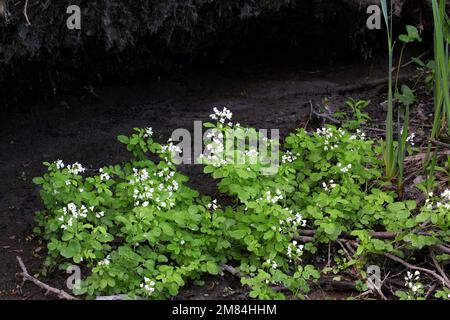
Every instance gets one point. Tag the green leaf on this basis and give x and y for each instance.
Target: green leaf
(167, 229)
(411, 36)
(38, 180)
(424, 216)
(329, 228)
(238, 234)
(212, 268)
(407, 96)
(123, 139)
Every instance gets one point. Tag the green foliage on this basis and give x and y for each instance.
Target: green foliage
(330, 181)
(142, 232)
(129, 224)
(394, 153)
(358, 116)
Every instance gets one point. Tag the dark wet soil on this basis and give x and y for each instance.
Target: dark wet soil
(84, 127)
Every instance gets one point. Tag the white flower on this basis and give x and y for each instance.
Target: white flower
(148, 285)
(100, 214)
(76, 168)
(105, 176)
(289, 157)
(75, 212)
(59, 164)
(411, 281)
(446, 194)
(105, 261)
(213, 205)
(222, 116)
(148, 132)
(411, 138)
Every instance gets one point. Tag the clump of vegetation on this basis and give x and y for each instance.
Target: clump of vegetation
(142, 232)
(137, 227)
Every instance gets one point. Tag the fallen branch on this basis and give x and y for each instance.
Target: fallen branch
(413, 267)
(26, 276)
(443, 248)
(230, 269)
(323, 115)
(382, 235)
(438, 267)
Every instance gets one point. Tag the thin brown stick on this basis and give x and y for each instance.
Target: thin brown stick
(439, 143)
(230, 269)
(408, 265)
(443, 248)
(377, 235)
(308, 236)
(26, 276)
(438, 267)
(25, 12)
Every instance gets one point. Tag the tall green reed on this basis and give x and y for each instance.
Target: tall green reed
(395, 151)
(389, 149)
(441, 82)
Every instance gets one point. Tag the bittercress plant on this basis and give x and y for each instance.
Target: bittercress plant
(138, 229)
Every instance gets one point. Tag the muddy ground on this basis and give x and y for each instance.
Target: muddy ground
(269, 92)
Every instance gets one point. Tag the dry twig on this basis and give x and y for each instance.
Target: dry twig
(25, 13)
(26, 276)
(413, 267)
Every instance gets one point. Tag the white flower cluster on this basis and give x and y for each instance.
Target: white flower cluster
(148, 132)
(443, 203)
(59, 164)
(76, 168)
(344, 169)
(331, 140)
(170, 149)
(298, 249)
(214, 153)
(289, 157)
(359, 135)
(410, 139)
(271, 199)
(213, 205)
(73, 212)
(147, 189)
(411, 281)
(148, 285)
(104, 176)
(99, 215)
(329, 186)
(290, 223)
(272, 264)
(222, 116)
(252, 153)
(105, 261)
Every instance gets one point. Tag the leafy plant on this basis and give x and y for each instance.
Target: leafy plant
(394, 156)
(138, 228)
(358, 116)
(141, 231)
